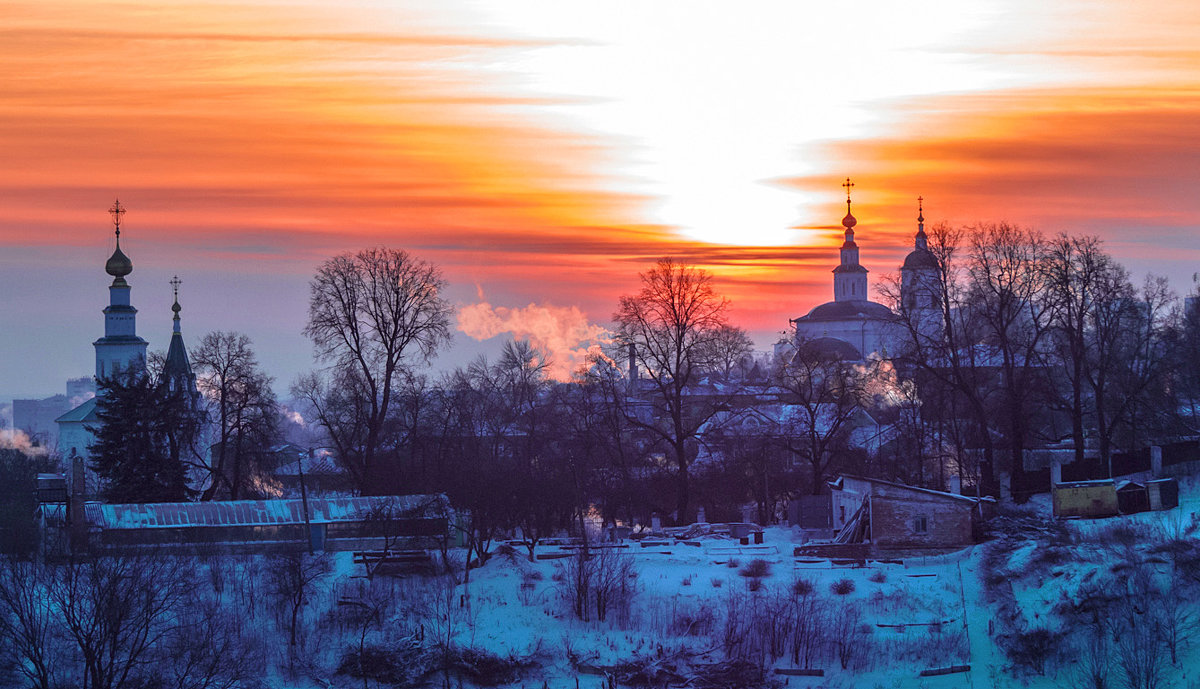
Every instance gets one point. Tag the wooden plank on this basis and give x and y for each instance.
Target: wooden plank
(934, 672)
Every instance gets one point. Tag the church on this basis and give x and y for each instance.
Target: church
(122, 350)
(852, 327)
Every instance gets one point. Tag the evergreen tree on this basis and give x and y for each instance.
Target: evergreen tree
(145, 432)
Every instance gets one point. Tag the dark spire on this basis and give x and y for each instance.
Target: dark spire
(922, 242)
(175, 283)
(177, 371)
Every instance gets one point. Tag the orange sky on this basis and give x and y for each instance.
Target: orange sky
(544, 152)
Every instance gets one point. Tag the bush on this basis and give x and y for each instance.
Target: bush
(756, 569)
(1030, 649)
(753, 584)
(486, 668)
(687, 580)
(842, 587)
(878, 576)
(375, 663)
(733, 563)
(802, 587)
(717, 581)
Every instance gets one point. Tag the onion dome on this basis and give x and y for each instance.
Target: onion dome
(118, 265)
(920, 257)
(849, 221)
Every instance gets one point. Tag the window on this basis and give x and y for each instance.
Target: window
(921, 525)
(842, 513)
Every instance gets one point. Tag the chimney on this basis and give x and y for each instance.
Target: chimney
(633, 367)
(956, 484)
(76, 524)
(78, 478)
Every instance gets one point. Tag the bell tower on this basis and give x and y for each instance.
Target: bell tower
(120, 349)
(849, 278)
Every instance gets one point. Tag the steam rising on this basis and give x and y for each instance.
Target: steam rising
(18, 440)
(563, 332)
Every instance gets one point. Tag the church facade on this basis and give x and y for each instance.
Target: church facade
(851, 327)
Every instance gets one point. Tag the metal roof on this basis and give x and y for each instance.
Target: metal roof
(167, 515)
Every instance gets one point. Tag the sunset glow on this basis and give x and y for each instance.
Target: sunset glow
(542, 153)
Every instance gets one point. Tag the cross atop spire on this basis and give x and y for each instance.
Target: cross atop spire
(116, 212)
(849, 221)
(922, 241)
(175, 283)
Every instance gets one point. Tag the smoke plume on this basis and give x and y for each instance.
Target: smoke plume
(563, 332)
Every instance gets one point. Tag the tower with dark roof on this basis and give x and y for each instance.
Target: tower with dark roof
(920, 282)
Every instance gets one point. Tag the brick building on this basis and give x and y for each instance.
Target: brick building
(888, 514)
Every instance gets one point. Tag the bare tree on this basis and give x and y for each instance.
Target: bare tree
(673, 322)
(822, 393)
(1082, 277)
(941, 350)
(371, 315)
(210, 647)
(727, 349)
(607, 455)
(26, 619)
(1009, 296)
(117, 610)
(246, 414)
(292, 577)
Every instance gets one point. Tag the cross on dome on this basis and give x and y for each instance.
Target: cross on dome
(116, 212)
(849, 221)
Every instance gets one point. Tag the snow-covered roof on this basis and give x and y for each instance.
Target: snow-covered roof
(837, 485)
(1085, 484)
(84, 412)
(167, 515)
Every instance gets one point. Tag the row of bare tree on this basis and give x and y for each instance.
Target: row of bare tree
(1025, 328)
(1017, 330)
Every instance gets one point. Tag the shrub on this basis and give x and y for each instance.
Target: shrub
(733, 563)
(842, 587)
(802, 587)
(1030, 649)
(486, 668)
(756, 569)
(716, 582)
(687, 580)
(753, 584)
(878, 576)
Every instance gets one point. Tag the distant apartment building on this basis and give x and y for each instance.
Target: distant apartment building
(81, 388)
(36, 417)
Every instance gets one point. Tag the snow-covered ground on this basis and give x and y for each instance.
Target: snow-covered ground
(675, 609)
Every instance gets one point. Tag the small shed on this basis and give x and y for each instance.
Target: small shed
(1132, 497)
(1086, 499)
(1163, 493)
(895, 515)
